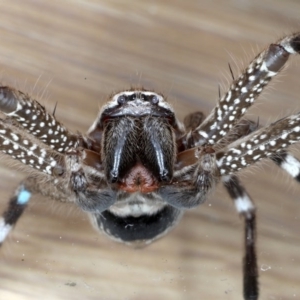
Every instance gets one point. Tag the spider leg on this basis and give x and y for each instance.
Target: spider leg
(267, 142)
(34, 118)
(243, 92)
(29, 151)
(19, 200)
(16, 206)
(245, 207)
(285, 160)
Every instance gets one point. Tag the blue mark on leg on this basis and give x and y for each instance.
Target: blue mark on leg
(23, 197)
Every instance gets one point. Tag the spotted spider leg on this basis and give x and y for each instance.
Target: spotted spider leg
(243, 92)
(34, 118)
(29, 151)
(35, 138)
(285, 160)
(25, 148)
(266, 142)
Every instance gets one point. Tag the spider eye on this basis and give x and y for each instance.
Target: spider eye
(121, 99)
(132, 97)
(154, 99)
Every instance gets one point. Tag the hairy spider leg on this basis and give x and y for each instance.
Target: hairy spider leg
(223, 127)
(245, 207)
(26, 149)
(266, 142)
(243, 92)
(35, 119)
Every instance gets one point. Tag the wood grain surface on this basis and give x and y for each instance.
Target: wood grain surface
(76, 53)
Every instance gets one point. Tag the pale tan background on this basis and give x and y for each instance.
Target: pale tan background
(78, 52)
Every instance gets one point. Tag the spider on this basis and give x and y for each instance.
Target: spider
(139, 168)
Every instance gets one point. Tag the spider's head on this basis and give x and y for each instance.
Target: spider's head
(136, 103)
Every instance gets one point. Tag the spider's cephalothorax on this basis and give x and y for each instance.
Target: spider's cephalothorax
(138, 168)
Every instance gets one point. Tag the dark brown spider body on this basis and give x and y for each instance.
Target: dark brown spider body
(137, 169)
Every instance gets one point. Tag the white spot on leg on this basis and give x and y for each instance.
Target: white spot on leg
(291, 165)
(14, 136)
(203, 133)
(229, 158)
(243, 204)
(53, 163)
(4, 230)
(297, 129)
(48, 170)
(226, 178)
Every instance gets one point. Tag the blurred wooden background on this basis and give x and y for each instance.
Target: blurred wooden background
(76, 53)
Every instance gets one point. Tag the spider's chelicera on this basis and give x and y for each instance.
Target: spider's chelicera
(138, 168)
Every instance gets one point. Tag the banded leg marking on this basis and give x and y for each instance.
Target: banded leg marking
(289, 163)
(245, 207)
(16, 207)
